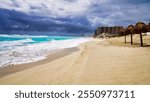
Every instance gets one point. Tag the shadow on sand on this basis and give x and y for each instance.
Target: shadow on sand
(144, 44)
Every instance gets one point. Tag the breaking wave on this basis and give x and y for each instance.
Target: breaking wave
(26, 48)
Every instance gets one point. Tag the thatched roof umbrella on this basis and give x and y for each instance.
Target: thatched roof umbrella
(130, 30)
(122, 32)
(140, 28)
(148, 27)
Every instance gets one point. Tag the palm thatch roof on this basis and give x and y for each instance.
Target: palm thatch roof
(129, 29)
(140, 27)
(122, 31)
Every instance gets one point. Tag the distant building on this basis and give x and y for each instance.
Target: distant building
(109, 30)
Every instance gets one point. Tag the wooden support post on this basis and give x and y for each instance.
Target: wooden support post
(131, 39)
(141, 39)
(125, 38)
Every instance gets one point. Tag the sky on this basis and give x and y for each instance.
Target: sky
(82, 16)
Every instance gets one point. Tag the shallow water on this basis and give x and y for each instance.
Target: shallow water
(19, 49)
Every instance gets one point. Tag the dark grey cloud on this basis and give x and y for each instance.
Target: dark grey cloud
(11, 21)
(121, 12)
(68, 19)
(134, 2)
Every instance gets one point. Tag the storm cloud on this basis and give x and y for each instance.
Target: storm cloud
(71, 16)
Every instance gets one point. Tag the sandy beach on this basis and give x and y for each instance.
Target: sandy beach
(98, 62)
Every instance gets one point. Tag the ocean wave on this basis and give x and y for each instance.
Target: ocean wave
(33, 52)
(9, 45)
(17, 41)
(35, 38)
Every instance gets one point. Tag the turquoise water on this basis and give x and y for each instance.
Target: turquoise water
(18, 49)
(8, 42)
(33, 38)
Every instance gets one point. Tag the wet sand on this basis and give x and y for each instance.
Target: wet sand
(51, 57)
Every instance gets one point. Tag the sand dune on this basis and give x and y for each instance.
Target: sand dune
(97, 62)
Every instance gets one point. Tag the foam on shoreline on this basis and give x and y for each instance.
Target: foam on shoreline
(26, 51)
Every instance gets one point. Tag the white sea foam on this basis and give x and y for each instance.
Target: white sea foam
(9, 45)
(18, 53)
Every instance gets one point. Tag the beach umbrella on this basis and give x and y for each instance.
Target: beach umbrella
(140, 28)
(122, 32)
(148, 27)
(130, 30)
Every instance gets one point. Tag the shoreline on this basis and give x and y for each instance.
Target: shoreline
(97, 62)
(4, 71)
